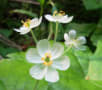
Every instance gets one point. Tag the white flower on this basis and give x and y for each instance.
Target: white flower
(28, 25)
(48, 59)
(59, 17)
(71, 40)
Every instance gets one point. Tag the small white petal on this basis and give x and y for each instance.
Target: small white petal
(56, 50)
(50, 18)
(72, 34)
(61, 63)
(42, 47)
(25, 31)
(51, 75)
(17, 30)
(35, 22)
(33, 56)
(38, 71)
(66, 19)
(81, 40)
(66, 37)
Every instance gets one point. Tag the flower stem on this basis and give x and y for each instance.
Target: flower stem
(41, 11)
(56, 31)
(33, 35)
(36, 85)
(50, 34)
(67, 49)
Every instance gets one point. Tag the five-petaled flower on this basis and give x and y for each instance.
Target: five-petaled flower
(59, 17)
(71, 40)
(48, 58)
(28, 25)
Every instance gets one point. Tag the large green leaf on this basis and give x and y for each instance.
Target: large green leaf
(14, 73)
(95, 65)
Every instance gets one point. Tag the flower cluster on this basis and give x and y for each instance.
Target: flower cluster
(49, 57)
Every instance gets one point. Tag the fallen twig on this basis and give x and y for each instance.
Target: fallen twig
(8, 42)
(27, 1)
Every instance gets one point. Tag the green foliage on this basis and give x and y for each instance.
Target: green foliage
(3, 6)
(95, 64)
(15, 73)
(92, 4)
(22, 11)
(82, 29)
(6, 32)
(97, 35)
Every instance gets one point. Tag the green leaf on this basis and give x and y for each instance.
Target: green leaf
(95, 65)
(97, 35)
(82, 29)
(22, 11)
(6, 32)
(92, 4)
(83, 59)
(14, 73)
(5, 50)
(73, 78)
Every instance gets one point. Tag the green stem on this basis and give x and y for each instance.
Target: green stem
(36, 85)
(67, 49)
(56, 31)
(50, 34)
(41, 11)
(33, 35)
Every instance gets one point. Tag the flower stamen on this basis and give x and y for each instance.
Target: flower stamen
(26, 23)
(47, 59)
(60, 13)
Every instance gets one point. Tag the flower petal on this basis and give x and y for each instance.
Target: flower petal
(17, 30)
(38, 71)
(66, 37)
(51, 75)
(56, 50)
(81, 40)
(33, 56)
(72, 34)
(61, 63)
(35, 22)
(49, 18)
(42, 47)
(66, 19)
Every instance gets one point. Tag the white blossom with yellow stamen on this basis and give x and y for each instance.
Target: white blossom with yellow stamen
(48, 59)
(28, 25)
(72, 40)
(59, 17)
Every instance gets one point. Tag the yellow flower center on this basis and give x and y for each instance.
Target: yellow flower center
(26, 23)
(60, 13)
(47, 59)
